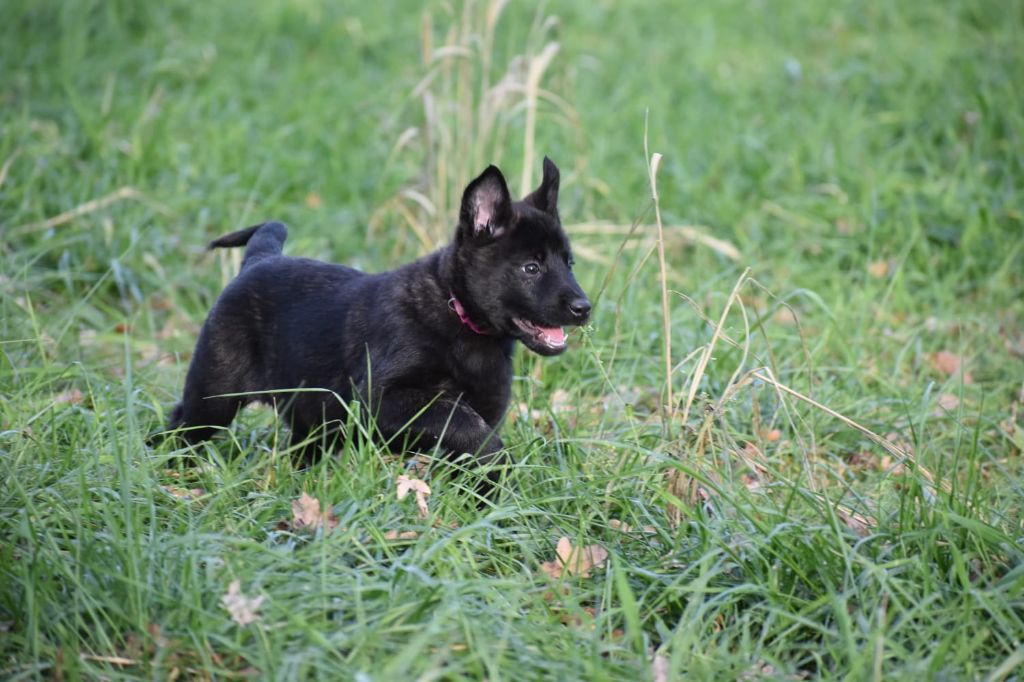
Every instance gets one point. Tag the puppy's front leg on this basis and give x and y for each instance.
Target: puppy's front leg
(432, 419)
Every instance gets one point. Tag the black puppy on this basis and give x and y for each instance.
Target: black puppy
(427, 347)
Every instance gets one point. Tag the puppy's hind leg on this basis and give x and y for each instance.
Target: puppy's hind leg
(311, 442)
(196, 418)
(306, 451)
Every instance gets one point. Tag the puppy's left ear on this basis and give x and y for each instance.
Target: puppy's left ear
(486, 205)
(545, 197)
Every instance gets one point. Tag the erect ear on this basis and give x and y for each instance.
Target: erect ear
(486, 205)
(545, 197)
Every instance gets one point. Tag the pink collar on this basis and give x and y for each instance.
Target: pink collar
(454, 304)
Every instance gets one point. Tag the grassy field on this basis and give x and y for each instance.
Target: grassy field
(826, 483)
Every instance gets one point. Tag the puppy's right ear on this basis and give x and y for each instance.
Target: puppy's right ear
(545, 197)
(486, 205)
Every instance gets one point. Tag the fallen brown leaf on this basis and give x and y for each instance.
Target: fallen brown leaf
(401, 535)
(306, 514)
(621, 526)
(560, 401)
(523, 411)
(242, 608)
(659, 668)
(878, 268)
(159, 302)
(574, 560)
(576, 620)
(313, 200)
(945, 362)
(182, 493)
(751, 482)
(886, 465)
(948, 402)
(758, 671)
(785, 316)
(70, 397)
(404, 485)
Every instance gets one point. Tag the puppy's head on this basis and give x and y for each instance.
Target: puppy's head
(514, 263)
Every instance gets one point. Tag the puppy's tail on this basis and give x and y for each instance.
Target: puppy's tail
(261, 241)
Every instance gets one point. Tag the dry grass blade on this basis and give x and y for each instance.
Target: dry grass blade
(7, 165)
(113, 660)
(858, 523)
(693, 234)
(90, 207)
(705, 358)
(537, 66)
(654, 163)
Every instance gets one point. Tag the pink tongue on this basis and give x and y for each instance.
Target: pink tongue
(554, 334)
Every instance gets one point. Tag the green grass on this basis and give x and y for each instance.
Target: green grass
(865, 159)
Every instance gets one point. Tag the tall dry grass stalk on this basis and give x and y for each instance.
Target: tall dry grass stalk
(470, 111)
(653, 164)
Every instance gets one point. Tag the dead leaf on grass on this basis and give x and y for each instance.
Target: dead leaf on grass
(182, 493)
(560, 401)
(785, 316)
(176, 325)
(404, 485)
(523, 411)
(88, 338)
(69, 397)
(947, 363)
(659, 668)
(242, 608)
(159, 302)
(623, 527)
(878, 268)
(401, 535)
(306, 514)
(887, 466)
(758, 671)
(313, 200)
(576, 620)
(574, 560)
(948, 402)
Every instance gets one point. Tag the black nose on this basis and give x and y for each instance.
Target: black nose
(580, 307)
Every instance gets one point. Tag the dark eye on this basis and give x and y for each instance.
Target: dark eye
(531, 268)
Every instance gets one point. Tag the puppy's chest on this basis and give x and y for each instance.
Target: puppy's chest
(484, 380)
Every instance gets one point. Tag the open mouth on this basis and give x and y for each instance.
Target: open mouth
(552, 337)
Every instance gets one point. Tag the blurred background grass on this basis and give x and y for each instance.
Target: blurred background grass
(864, 158)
